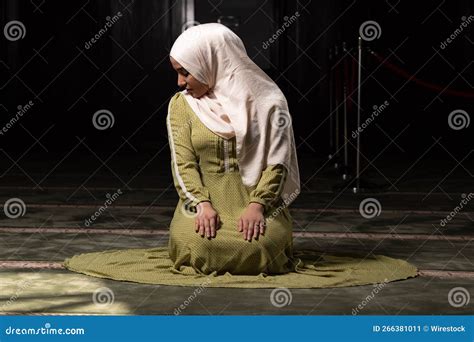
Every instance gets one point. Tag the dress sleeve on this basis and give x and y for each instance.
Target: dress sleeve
(269, 186)
(184, 164)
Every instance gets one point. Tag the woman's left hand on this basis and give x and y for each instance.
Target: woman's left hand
(252, 221)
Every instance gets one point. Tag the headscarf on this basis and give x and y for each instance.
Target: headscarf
(243, 101)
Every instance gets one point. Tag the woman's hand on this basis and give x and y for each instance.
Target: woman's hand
(207, 220)
(252, 221)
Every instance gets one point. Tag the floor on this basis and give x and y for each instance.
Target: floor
(59, 195)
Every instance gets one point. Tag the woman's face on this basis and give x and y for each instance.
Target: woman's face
(185, 80)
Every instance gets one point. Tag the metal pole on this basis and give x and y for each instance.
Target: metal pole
(346, 157)
(331, 118)
(336, 55)
(346, 164)
(357, 175)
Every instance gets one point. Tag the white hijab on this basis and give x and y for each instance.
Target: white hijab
(243, 101)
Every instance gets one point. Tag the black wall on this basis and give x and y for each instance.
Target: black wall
(127, 70)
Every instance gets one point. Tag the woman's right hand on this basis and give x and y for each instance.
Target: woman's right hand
(207, 220)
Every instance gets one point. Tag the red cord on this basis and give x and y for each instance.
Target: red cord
(425, 84)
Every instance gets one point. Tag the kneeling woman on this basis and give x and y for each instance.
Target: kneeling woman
(233, 158)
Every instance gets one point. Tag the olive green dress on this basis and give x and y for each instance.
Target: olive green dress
(205, 168)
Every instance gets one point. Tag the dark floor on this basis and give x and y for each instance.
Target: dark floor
(59, 195)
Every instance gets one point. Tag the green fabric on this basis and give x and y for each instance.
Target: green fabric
(153, 266)
(205, 168)
(196, 152)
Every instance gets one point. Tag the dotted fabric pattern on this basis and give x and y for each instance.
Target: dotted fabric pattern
(205, 168)
(205, 165)
(198, 152)
(315, 270)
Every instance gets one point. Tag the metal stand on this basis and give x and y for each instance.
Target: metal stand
(356, 187)
(331, 118)
(356, 184)
(336, 154)
(345, 170)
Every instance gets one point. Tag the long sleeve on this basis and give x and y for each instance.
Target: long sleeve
(184, 164)
(269, 186)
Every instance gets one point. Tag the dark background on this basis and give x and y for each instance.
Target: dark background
(128, 72)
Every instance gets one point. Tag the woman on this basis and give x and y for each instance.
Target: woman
(233, 157)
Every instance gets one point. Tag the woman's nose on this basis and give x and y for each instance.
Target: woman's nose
(181, 81)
